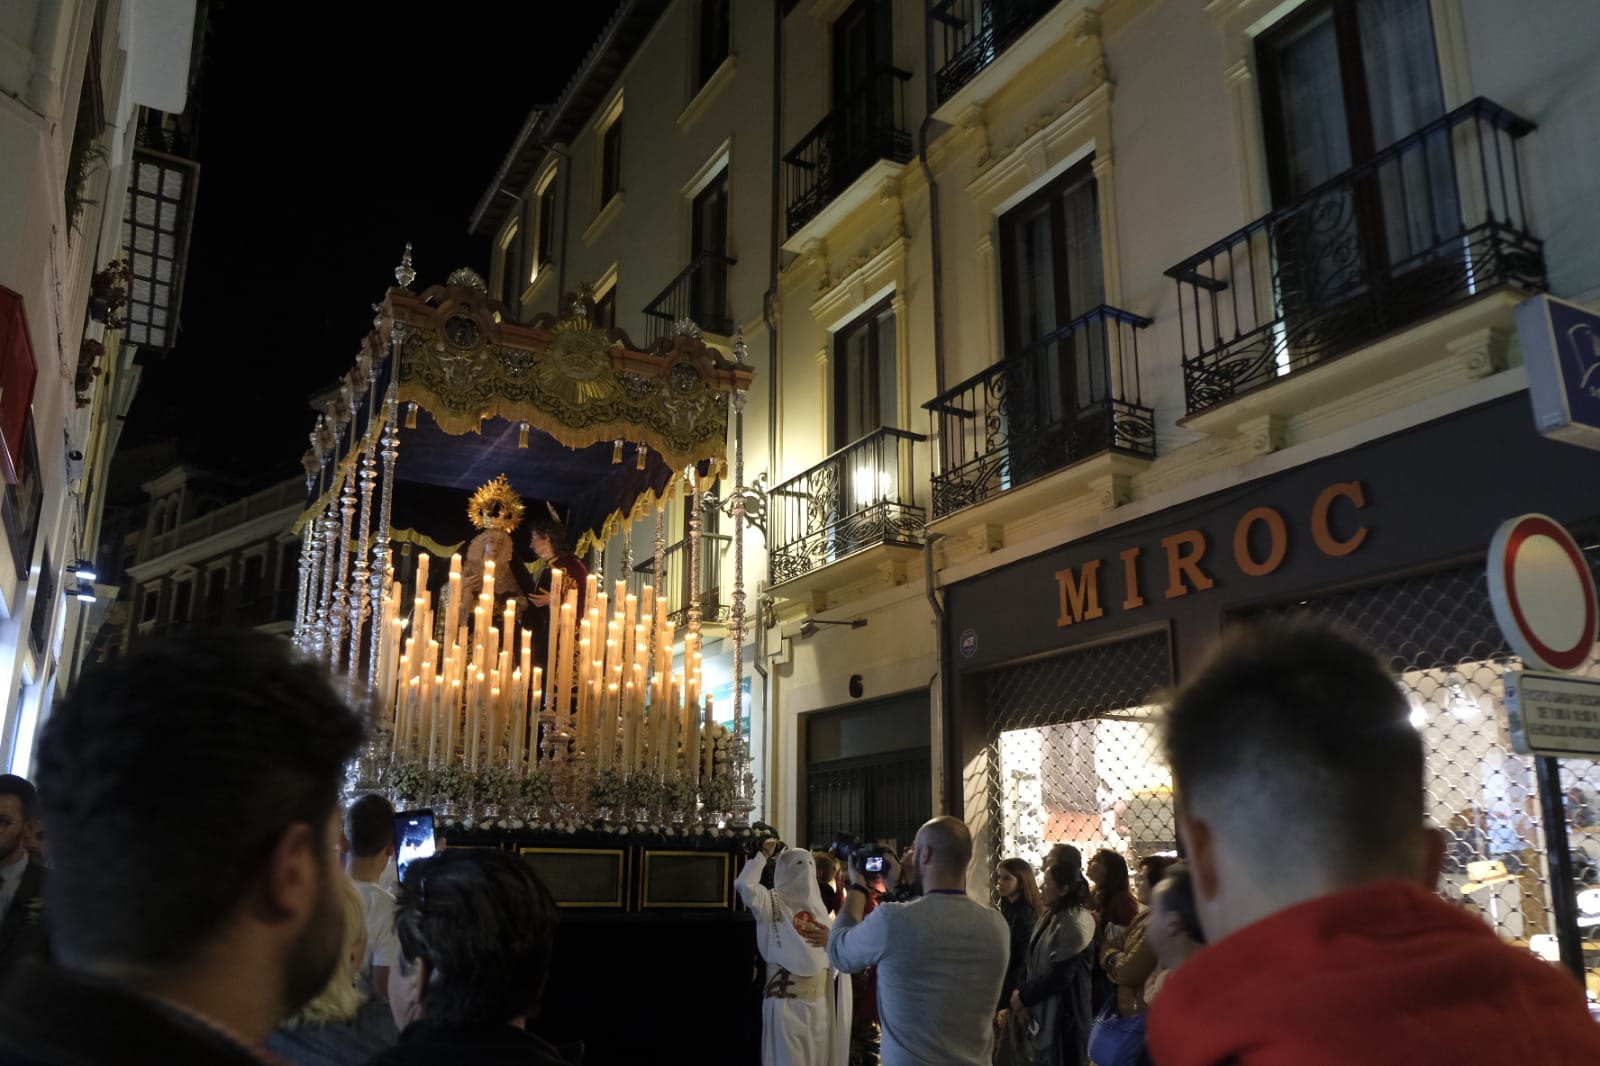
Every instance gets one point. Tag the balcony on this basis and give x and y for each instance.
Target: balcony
(868, 127)
(1433, 222)
(862, 496)
(699, 293)
(1056, 402)
(675, 585)
(971, 34)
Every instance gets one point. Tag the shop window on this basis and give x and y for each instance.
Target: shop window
(1438, 635)
(1076, 752)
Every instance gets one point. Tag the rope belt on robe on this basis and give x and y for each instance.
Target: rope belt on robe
(785, 985)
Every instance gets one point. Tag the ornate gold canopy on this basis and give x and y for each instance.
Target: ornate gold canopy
(463, 362)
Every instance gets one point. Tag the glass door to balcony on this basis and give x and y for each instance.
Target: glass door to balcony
(1052, 273)
(863, 46)
(708, 289)
(866, 397)
(1341, 81)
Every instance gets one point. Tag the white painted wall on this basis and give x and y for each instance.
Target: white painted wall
(44, 45)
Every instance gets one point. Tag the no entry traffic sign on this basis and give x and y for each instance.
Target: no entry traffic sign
(1543, 593)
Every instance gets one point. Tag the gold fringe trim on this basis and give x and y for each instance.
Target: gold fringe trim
(458, 424)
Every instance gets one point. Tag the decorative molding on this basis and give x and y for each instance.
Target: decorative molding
(988, 537)
(1093, 100)
(701, 101)
(864, 273)
(825, 12)
(1481, 352)
(1265, 434)
(1112, 490)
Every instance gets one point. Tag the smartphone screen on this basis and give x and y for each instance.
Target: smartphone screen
(413, 839)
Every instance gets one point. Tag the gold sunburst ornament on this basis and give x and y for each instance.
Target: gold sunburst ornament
(496, 505)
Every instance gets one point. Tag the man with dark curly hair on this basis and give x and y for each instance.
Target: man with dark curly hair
(192, 795)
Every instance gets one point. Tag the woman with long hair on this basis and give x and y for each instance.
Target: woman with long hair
(1113, 893)
(1018, 888)
(341, 1026)
(1049, 1020)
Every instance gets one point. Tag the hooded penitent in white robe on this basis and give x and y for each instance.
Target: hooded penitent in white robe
(805, 1015)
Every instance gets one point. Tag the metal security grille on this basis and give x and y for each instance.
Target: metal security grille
(1439, 636)
(1075, 752)
(882, 798)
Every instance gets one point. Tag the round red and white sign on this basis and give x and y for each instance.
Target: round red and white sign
(1543, 593)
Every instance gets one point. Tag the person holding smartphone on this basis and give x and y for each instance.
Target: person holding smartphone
(941, 958)
(369, 826)
(805, 1008)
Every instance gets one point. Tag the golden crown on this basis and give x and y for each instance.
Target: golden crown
(496, 506)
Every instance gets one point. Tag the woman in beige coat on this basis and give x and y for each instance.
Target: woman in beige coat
(1131, 959)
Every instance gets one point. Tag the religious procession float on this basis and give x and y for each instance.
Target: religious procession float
(531, 704)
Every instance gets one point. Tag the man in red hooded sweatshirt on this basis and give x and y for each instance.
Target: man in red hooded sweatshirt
(1299, 782)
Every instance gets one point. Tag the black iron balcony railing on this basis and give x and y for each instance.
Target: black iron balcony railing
(861, 496)
(1432, 221)
(1069, 395)
(700, 293)
(869, 125)
(971, 34)
(675, 561)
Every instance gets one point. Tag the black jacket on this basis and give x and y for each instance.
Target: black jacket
(22, 932)
(424, 1044)
(51, 1017)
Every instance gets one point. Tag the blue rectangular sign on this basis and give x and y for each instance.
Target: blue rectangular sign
(1561, 349)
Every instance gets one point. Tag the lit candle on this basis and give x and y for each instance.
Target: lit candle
(551, 658)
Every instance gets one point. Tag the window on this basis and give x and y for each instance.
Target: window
(1052, 268)
(1051, 275)
(18, 373)
(863, 95)
(152, 600)
(864, 386)
(44, 607)
(611, 160)
(544, 236)
(713, 37)
(510, 269)
(708, 292)
(181, 602)
(1341, 80)
(216, 595)
(605, 309)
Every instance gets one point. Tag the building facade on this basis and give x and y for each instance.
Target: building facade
(205, 557)
(95, 193)
(1086, 329)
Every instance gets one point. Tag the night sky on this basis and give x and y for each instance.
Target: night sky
(324, 146)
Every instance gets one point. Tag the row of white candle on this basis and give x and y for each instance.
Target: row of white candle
(613, 688)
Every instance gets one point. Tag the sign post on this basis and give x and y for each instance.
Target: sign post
(1544, 599)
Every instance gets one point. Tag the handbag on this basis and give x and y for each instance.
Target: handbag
(1115, 1040)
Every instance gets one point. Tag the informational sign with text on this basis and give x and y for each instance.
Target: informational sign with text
(1553, 715)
